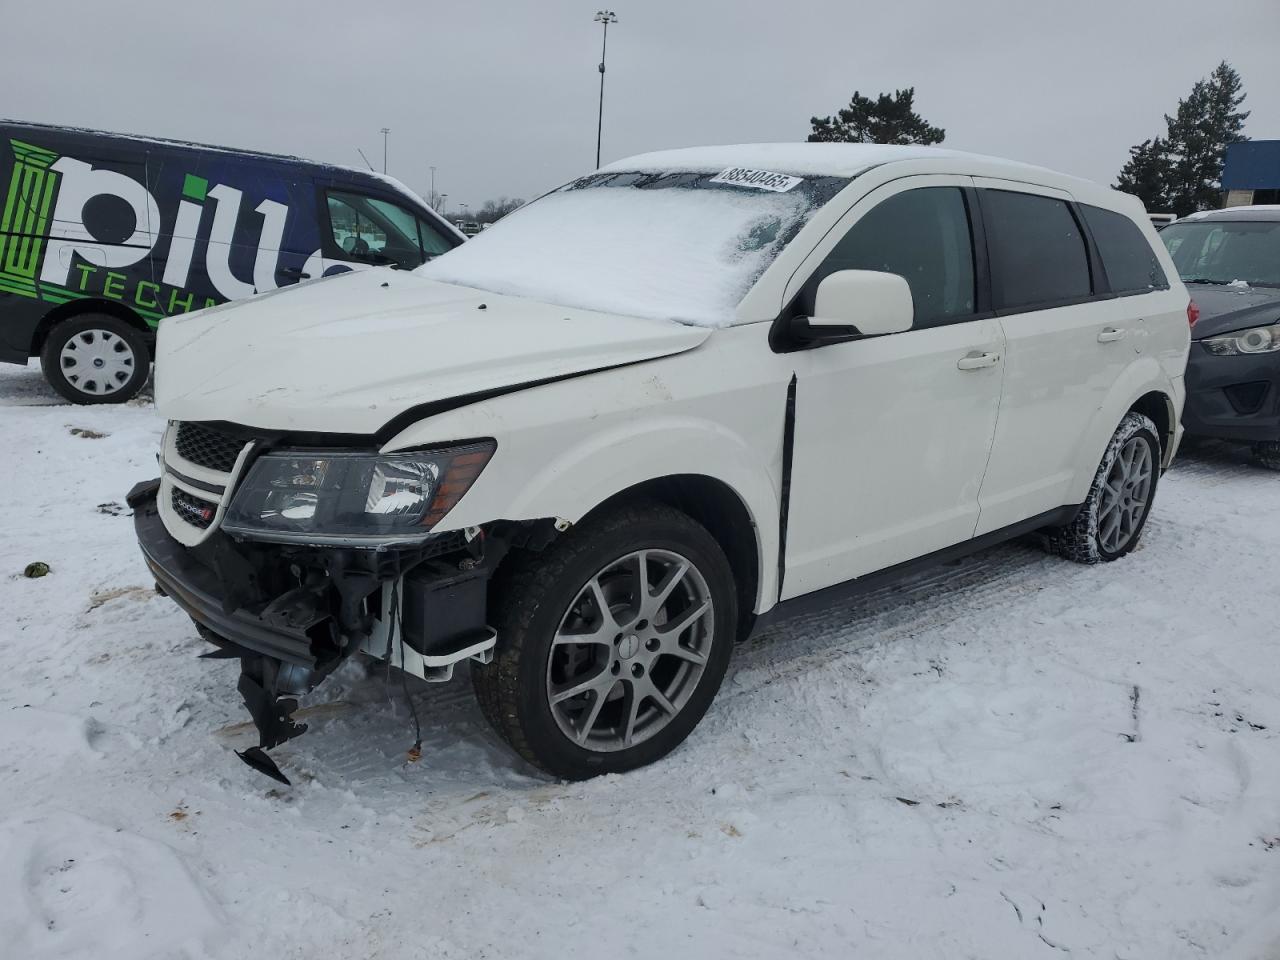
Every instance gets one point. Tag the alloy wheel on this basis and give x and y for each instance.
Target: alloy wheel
(1124, 496)
(630, 650)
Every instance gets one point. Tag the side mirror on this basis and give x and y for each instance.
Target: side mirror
(858, 302)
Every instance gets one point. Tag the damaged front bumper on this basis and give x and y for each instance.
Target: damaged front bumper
(293, 614)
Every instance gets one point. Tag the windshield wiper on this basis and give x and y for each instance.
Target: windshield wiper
(1217, 283)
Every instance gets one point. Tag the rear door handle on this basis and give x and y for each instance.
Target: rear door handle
(1110, 335)
(295, 272)
(977, 361)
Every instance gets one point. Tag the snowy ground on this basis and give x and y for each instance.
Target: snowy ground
(1012, 757)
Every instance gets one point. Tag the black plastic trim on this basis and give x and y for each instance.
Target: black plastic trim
(1099, 281)
(1046, 305)
(191, 481)
(788, 454)
(982, 297)
(827, 596)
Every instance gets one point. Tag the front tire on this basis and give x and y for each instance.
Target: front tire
(95, 358)
(1111, 521)
(612, 642)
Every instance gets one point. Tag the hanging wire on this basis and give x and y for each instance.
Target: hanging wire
(393, 623)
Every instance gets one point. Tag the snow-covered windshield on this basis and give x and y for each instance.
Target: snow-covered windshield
(679, 246)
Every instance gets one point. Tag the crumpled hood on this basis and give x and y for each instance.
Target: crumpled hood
(349, 353)
(1224, 309)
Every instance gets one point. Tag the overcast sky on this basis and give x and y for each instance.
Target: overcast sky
(501, 95)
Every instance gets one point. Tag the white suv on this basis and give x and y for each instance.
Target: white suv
(664, 404)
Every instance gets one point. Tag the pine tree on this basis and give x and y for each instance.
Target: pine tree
(887, 119)
(1146, 174)
(1206, 121)
(1182, 171)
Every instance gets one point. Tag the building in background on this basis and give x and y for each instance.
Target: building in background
(1251, 173)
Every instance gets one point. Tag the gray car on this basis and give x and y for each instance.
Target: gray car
(1230, 261)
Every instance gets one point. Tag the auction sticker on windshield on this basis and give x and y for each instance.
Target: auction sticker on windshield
(759, 179)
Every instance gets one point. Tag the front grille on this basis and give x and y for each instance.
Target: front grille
(207, 447)
(193, 510)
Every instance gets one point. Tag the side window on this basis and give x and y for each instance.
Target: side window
(378, 231)
(354, 231)
(1130, 262)
(429, 239)
(1038, 256)
(432, 239)
(921, 235)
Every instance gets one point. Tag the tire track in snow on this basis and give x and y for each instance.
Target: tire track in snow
(988, 583)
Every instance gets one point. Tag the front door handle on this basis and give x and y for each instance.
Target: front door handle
(977, 361)
(296, 273)
(1110, 335)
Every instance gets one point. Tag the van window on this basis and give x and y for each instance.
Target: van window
(378, 231)
(1037, 252)
(429, 239)
(921, 235)
(1130, 262)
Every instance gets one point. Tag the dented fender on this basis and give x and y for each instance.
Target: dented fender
(564, 448)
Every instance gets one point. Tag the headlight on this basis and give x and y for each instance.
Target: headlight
(1254, 340)
(360, 499)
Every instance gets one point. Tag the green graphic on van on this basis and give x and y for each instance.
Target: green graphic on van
(49, 252)
(195, 188)
(25, 222)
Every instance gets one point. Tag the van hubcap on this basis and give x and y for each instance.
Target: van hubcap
(1124, 495)
(630, 650)
(97, 362)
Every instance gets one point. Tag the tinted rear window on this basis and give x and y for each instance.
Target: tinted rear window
(1130, 262)
(1037, 252)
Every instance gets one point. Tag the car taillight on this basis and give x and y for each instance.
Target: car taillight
(1193, 313)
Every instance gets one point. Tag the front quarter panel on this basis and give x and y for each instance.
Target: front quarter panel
(566, 447)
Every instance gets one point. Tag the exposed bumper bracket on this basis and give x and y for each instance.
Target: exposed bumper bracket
(267, 687)
(272, 714)
(257, 758)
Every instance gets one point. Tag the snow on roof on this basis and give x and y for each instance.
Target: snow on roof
(1257, 211)
(803, 159)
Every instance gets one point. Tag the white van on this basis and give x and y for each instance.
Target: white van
(686, 395)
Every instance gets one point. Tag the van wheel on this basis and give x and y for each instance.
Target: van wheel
(95, 358)
(1267, 453)
(1110, 523)
(612, 642)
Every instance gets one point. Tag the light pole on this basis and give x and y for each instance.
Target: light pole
(385, 131)
(433, 189)
(605, 17)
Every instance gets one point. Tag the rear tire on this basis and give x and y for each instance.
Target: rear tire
(647, 666)
(95, 358)
(1267, 453)
(1111, 521)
